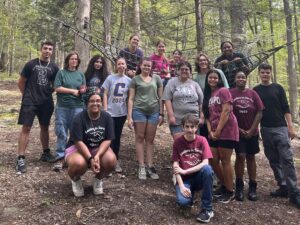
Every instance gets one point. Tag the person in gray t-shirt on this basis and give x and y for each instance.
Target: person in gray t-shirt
(182, 95)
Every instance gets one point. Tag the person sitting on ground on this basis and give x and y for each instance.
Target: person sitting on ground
(89, 145)
(191, 153)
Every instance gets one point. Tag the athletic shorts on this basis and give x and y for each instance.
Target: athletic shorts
(43, 113)
(222, 143)
(72, 149)
(249, 146)
(139, 116)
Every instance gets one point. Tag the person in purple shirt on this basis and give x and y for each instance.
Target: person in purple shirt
(223, 132)
(247, 107)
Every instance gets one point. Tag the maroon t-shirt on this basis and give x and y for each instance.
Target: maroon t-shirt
(219, 97)
(246, 104)
(190, 153)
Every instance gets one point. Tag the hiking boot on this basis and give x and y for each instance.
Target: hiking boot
(21, 165)
(252, 196)
(205, 215)
(118, 168)
(77, 188)
(295, 200)
(47, 156)
(226, 197)
(239, 192)
(142, 173)
(281, 192)
(151, 172)
(219, 191)
(97, 186)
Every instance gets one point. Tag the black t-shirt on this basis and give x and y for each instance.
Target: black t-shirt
(230, 69)
(91, 132)
(276, 105)
(39, 84)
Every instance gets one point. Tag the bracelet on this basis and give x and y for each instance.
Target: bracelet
(90, 159)
(162, 115)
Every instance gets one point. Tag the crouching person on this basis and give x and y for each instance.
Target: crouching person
(190, 164)
(89, 145)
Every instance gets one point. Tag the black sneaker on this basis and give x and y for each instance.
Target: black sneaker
(219, 191)
(295, 200)
(205, 215)
(282, 192)
(252, 196)
(47, 156)
(226, 197)
(21, 165)
(151, 172)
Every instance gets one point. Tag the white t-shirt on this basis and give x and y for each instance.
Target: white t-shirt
(117, 87)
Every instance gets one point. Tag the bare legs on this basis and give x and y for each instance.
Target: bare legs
(240, 165)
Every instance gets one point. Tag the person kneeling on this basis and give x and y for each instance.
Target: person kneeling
(90, 138)
(190, 164)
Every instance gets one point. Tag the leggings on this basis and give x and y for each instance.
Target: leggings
(118, 127)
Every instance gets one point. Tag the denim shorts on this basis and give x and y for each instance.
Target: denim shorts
(139, 116)
(174, 129)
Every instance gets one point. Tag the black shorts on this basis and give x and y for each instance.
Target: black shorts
(249, 146)
(43, 113)
(222, 143)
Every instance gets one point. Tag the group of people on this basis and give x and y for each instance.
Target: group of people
(210, 115)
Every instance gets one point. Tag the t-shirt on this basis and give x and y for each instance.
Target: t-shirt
(186, 97)
(146, 94)
(276, 105)
(117, 87)
(159, 63)
(132, 58)
(200, 79)
(72, 80)
(91, 132)
(230, 131)
(190, 153)
(230, 69)
(246, 104)
(40, 76)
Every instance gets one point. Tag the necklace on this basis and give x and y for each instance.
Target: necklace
(44, 66)
(91, 119)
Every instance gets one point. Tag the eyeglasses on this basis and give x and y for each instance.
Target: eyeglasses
(97, 101)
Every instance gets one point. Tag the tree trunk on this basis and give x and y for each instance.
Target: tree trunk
(136, 19)
(83, 25)
(122, 26)
(106, 23)
(199, 25)
(238, 18)
(297, 36)
(222, 20)
(273, 42)
(292, 78)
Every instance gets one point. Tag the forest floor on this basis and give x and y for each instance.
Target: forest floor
(42, 196)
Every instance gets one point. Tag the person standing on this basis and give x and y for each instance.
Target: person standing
(36, 87)
(277, 130)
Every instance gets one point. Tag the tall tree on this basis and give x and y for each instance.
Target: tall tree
(238, 19)
(292, 78)
(273, 41)
(83, 24)
(136, 19)
(222, 20)
(199, 25)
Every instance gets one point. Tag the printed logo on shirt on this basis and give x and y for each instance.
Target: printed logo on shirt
(214, 100)
(95, 135)
(41, 72)
(187, 94)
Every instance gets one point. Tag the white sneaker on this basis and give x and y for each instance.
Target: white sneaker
(142, 173)
(77, 188)
(118, 168)
(98, 186)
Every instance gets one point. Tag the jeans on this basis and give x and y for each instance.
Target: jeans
(202, 179)
(118, 127)
(280, 155)
(63, 121)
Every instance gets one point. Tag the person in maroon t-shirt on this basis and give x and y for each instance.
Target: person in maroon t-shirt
(191, 153)
(247, 107)
(223, 132)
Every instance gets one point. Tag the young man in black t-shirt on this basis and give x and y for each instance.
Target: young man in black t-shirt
(276, 131)
(36, 85)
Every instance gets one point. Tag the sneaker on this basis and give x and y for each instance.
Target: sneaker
(142, 173)
(282, 192)
(219, 191)
(226, 197)
(21, 165)
(77, 188)
(239, 189)
(97, 186)
(295, 200)
(118, 168)
(58, 166)
(47, 156)
(252, 196)
(151, 172)
(205, 215)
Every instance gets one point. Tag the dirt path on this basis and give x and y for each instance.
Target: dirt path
(42, 196)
